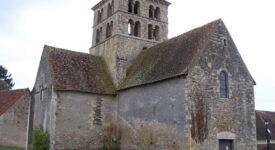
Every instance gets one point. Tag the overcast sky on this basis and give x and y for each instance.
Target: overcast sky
(25, 26)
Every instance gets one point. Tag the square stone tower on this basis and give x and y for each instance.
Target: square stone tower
(123, 28)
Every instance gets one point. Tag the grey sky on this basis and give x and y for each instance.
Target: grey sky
(25, 26)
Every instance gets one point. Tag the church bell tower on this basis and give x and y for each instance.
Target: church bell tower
(124, 28)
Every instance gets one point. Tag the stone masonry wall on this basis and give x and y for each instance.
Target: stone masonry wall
(153, 116)
(119, 52)
(13, 123)
(44, 103)
(212, 118)
(84, 121)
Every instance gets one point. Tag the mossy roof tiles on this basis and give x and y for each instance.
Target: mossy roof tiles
(168, 59)
(9, 97)
(75, 71)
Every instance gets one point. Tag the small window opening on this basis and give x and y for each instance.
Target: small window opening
(225, 42)
(144, 48)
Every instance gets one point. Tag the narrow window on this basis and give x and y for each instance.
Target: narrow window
(223, 85)
(97, 36)
(157, 13)
(136, 7)
(150, 31)
(111, 28)
(110, 10)
(130, 6)
(224, 42)
(137, 29)
(156, 33)
(102, 14)
(108, 30)
(151, 11)
(98, 17)
(130, 27)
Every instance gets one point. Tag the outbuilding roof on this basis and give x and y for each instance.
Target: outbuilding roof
(168, 59)
(9, 97)
(76, 71)
(261, 117)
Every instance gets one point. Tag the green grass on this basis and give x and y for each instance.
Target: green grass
(10, 148)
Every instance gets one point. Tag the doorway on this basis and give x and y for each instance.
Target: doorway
(225, 144)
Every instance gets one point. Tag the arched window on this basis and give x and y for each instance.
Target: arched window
(130, 6)
(137, 29)
(98, 17)
(97, 36)
(156, 33)
(151, 11)
(110, 10)
(130, 27)
(108, 30)
(223, 85)
(136, 7)
(157, 13)
(111, 28)
(150, 31)
(102, 14)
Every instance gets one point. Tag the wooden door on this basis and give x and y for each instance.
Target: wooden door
(226, 145)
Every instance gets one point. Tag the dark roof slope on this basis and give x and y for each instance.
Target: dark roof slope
(9, 97)
(75, 71)
(261, 116)
(167, 59)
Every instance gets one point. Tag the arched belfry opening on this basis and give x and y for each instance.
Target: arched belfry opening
(156, 33)
(150, 31)
(110, 9)
(109, 29)
(130, 27)
(137, 7)
(137, 29)
(151, 11)
(130, 6)
(157, 13)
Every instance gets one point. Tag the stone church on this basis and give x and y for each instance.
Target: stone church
(139, 90)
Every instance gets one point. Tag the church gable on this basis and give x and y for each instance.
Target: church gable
(75, 71)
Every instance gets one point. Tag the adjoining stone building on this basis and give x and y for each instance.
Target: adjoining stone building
(14, 110)
(191, 92)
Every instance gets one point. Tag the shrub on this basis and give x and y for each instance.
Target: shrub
(40, 140)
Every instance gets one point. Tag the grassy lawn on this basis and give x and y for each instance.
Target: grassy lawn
(10, 148)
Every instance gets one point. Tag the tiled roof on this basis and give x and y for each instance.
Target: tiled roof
(168, 59)
(261, 116)
(9, 97)
(75, 71)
